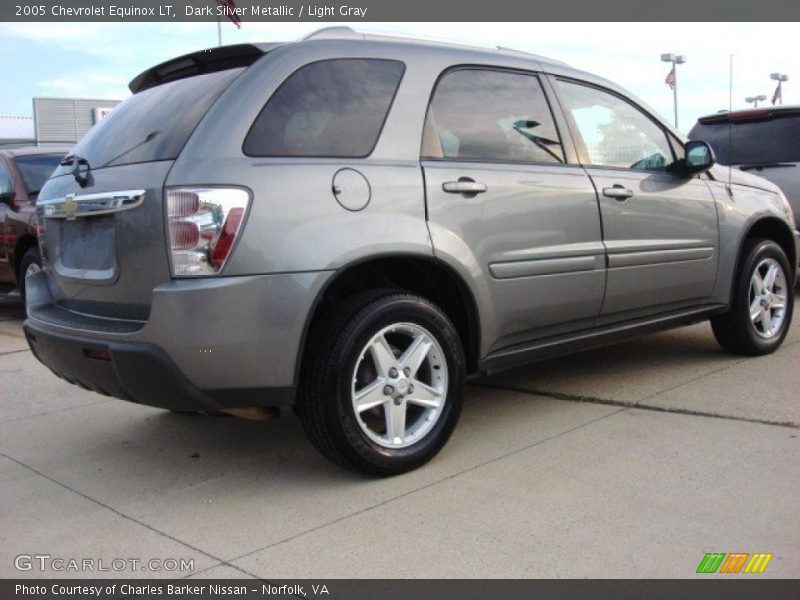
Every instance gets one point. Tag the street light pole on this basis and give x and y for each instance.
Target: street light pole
(674, 59)
(780, 78)
(754, 100)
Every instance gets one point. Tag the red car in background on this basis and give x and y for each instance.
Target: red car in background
(23, 172)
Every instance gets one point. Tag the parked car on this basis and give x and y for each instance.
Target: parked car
(352, 225)
(23, 171)
(764, 141)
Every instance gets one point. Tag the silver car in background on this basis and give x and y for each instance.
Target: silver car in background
(352, 225)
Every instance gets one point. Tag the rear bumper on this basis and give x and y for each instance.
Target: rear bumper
(209, 344)
(140, 373)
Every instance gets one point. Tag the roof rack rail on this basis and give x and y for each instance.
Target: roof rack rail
(340, 32)
(528, 54)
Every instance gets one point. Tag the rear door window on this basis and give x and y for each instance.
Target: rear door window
(755, 142)
(331, 108)
(490, 116)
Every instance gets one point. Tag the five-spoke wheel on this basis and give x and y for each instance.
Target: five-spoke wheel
(383, 383)
(400, 385)
(768, 296)
(762, 302)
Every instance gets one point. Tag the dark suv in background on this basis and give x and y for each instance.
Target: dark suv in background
(763, 141)
(23, 172)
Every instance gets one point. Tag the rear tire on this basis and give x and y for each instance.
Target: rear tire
(383, 382)
(31, 262)
(763, 302)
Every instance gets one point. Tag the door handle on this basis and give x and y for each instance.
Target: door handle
(617, 192)
(465, 185)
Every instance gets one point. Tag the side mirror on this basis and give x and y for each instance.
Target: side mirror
(699, 157)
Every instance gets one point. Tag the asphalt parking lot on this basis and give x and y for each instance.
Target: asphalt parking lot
(629, 461)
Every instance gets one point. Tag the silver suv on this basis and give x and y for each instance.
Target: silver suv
(352, 225)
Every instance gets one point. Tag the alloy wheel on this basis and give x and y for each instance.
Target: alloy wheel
(399, 386)
(768, 294)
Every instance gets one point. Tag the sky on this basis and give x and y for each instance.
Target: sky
(96, 60)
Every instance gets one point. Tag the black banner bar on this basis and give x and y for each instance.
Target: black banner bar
(405, 10)
(730, 588)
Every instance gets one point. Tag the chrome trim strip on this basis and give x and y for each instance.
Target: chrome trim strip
(89, 205)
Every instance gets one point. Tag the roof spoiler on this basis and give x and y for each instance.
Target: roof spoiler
(750, 114)
(197, 63)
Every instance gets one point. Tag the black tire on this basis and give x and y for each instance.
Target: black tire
(31, 257)
(325, 406)
(734, 330)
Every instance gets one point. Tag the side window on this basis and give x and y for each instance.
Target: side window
(614, 132)
(332, 108)
(492, 116)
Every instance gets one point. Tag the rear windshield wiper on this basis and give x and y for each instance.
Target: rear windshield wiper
(82, 177)
(772, 165)
(147, 138)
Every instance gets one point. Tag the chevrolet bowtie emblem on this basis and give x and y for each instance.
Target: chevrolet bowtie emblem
(69, 207)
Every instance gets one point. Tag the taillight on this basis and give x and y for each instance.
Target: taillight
(203, 225)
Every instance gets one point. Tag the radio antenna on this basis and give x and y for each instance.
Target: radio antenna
(730, 126)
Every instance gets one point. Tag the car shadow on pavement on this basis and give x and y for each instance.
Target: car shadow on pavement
(138, 447)
(640, 366)
(11, 307)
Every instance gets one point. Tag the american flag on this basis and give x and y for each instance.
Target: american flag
(778, 95)
(670, 80)
(231, 12)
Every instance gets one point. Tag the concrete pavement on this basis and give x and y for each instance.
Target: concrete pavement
(628, 461)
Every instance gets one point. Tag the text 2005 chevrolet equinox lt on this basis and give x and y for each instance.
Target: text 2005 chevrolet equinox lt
(352, 225)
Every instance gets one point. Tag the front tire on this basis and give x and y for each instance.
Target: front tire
(383, 383)
(763, 302)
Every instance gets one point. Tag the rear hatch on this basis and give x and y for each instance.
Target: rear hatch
(102, 210)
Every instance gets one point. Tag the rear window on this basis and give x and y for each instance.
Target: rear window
(35, 169)
(754, 142)
(153, 124)
(331, 108)
(489, 115)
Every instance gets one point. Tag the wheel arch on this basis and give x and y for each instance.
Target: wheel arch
(769, 228)
(424, 275)
(24, 243)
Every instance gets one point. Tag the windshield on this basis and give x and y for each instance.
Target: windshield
(35, 169)
(775, 140)
(154, 124)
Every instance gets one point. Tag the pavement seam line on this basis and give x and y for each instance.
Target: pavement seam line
(60, 410)
(630, 404)
(121, 514)
(424, 487)
(714, 372)
(15, 351)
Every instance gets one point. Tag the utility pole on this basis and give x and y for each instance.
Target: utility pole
(672, 78)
